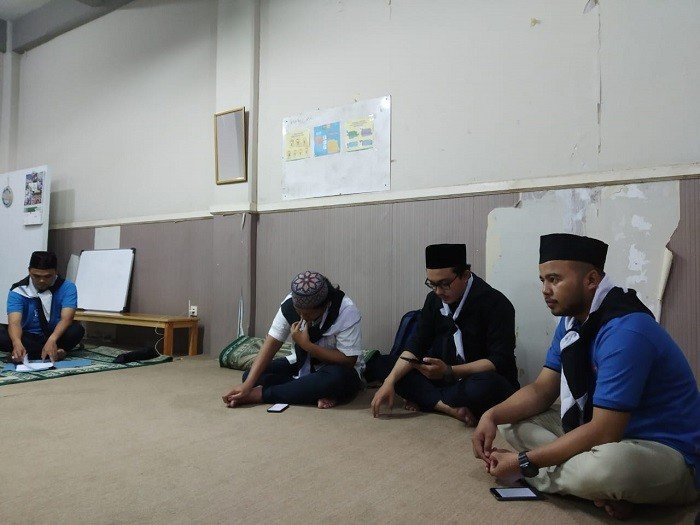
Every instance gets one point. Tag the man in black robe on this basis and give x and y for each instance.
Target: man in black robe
(461, 359)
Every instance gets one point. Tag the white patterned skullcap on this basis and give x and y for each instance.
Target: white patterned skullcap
(309, 289)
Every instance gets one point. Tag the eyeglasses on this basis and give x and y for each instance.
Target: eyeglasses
(443, 285)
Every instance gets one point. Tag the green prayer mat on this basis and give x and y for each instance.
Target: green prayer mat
(241, 352)
(102, 358)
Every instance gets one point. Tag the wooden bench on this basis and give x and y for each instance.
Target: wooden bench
(166, 322)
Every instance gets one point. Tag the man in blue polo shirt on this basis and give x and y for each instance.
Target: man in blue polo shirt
(628, 430)
(40, 311)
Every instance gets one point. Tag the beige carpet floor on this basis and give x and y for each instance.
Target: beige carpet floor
(156, 445)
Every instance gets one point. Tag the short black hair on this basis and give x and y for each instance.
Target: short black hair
(586, 267)
(461, 269)
(43, 261)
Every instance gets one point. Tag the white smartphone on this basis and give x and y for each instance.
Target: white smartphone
(278, 407)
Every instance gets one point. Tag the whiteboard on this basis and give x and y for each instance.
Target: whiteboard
(335, 164)
(17, 239)
(103, 279)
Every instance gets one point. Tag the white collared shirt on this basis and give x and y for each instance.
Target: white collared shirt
(348, 341)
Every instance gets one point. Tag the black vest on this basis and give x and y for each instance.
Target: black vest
(335, 295)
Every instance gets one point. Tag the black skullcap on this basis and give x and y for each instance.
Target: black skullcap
(569, 247)
(445, 255)
(43, 261)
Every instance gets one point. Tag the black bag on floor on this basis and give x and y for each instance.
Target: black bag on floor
(142, 354)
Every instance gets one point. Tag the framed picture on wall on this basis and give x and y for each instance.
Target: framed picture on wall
(230, 146)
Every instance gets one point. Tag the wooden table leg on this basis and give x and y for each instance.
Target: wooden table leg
(168, 339)
(194, 338)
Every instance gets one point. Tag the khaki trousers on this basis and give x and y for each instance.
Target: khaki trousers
(633, 470)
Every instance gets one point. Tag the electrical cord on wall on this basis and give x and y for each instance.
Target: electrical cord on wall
(155, 345)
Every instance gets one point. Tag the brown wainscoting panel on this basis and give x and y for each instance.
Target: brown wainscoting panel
(172, 265)
(207, 261)
(375, 252)
(681, 305)
(64, 243)
(231, 278)
(352, 246)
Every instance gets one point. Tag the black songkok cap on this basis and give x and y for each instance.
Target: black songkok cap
(43, 261)
(445, 255)
(569, 247)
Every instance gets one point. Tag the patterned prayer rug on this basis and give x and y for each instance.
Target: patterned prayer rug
(102, 358)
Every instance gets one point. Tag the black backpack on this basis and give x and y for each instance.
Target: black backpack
(407, 327)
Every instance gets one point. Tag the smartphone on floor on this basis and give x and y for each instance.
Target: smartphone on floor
(515, 494)
(278, 407)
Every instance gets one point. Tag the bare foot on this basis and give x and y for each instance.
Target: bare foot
(326, 402)
(619, 509)
(60, 354)
(410, 405)
(254, 397)
(464, 414)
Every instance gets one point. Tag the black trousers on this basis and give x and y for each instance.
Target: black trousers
(332, 381)
(478, 392)
(34, 343)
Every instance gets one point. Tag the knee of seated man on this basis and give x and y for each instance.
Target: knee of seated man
(509, 431)
(333, 373)
(77, 329)
(606, 467)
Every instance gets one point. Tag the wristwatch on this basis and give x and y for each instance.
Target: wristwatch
(527, 468)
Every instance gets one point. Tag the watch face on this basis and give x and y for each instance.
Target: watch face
(527, 469)
(7, 196)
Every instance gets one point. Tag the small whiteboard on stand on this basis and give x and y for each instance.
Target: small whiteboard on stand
(104, 278)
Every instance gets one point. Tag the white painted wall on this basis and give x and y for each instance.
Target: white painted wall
(122, 110)
(3, 147)
(236, 85)
(9, 88)
(650, 78)
(489, 91)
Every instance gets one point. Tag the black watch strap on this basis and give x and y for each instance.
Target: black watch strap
(527, 468)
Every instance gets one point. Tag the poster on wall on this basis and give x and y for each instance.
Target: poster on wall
(33, 198)
(327, 139)
(297, 145)
(359, 134)
(351, 150)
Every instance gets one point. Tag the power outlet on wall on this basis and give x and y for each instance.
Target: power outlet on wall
(193, 310)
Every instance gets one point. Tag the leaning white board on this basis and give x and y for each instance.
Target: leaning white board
(103, 279)
(23, 229)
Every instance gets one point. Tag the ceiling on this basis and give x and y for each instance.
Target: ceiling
(14, 9)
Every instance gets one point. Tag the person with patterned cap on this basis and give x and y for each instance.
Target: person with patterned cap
(327, 364)
(40, 311)
(628, 430)
(462, 354)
